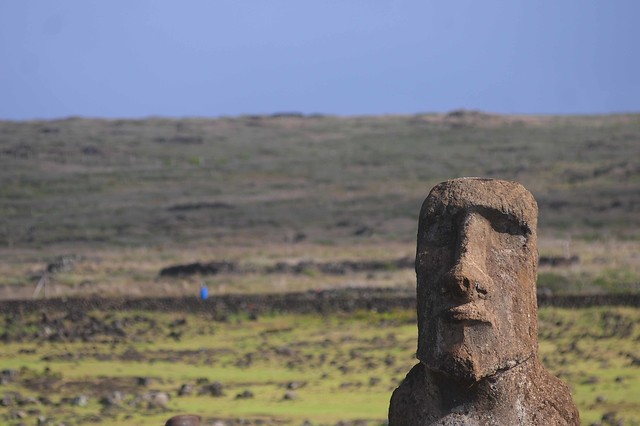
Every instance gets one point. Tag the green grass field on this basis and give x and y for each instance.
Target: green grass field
(340, 367)
(125, 198)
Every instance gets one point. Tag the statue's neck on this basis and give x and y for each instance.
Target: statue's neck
(500, 390)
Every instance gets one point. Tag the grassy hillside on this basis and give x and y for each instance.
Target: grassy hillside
(336, 368)
(264, 183)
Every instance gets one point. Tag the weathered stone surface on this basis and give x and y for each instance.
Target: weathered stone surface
(476, 265)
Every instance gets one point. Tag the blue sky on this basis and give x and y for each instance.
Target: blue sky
(140, 58)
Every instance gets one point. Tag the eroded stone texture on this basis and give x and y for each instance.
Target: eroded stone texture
(476, 264)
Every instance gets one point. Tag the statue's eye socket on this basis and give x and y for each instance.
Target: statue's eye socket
(440, 232)
(509, 226)
(506, 224)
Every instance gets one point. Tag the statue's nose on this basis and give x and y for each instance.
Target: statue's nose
(467, 282)
(467, 279)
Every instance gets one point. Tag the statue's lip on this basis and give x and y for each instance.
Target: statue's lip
(469, 312)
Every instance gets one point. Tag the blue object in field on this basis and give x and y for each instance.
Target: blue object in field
(204, 293)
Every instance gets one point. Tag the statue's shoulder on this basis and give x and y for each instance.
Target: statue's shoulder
(413, 402)
(554, 403)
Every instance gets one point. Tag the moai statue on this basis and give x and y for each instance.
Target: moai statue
(476, 267)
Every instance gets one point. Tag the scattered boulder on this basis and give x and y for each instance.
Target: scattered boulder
(18, 414)
(374, 381)
(214, 389)
(8, 375)
(114, 399)
(44, 400)
(8, 399)
(290, 395)
(610, 418)
(245, 394)
(80, 401)
(184, 420)
(185, 390)
(294, 385)
(44, 421)
(27, 400)
(157, 400)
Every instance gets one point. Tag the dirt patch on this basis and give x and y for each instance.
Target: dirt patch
(302, 267)
(328, 301)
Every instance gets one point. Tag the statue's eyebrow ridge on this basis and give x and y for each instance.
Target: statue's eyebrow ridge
(488, 211)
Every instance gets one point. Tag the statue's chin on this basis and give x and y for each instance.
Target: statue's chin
(470, 352)
(464, 364)
(456, 350)
(460, 368)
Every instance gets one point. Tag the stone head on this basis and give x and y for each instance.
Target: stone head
(476, 267)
